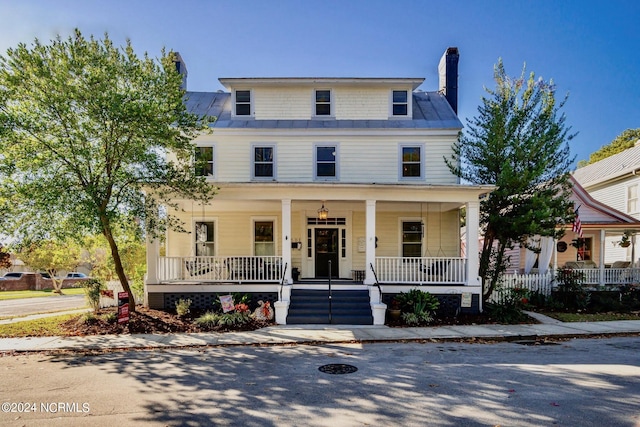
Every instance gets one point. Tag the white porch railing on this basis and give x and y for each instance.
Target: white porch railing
(545, 283)
(422, 271)
(241, 269)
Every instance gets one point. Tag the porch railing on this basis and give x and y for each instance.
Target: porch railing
(422, 270)
(545, 283)
(241, 269)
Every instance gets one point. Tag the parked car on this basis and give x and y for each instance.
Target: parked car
(76, 275)
(45, 275)
(13, 275)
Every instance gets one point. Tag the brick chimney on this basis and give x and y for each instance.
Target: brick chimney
(181, 67)
(448, 72)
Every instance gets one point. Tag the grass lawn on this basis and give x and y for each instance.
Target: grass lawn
(47, 326)
(591, 317)
(6, 295)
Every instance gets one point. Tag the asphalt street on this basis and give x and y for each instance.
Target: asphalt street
(577, 382)
(26, 306)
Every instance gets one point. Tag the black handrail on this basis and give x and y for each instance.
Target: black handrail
(330, 305)
(375, 276)
(284, 274)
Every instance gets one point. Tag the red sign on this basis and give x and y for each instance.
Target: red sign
(123, 307)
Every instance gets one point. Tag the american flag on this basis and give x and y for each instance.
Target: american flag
(577, 225)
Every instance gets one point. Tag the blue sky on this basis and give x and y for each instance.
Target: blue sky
(589, 48)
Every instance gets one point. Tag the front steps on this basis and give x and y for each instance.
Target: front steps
(311, 306)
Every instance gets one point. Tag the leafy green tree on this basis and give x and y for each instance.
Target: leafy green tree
(519, 143)
(624, 141)
(51, 256)
(5, 257)
(85, 128)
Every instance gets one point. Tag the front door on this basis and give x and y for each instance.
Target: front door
(326, 250)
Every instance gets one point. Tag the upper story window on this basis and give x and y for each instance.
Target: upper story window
(323, 102)
(326, 162)
(263, 162)
(411, 162)
(204, 161)
(243, 103)
(400, 103)
(411, 239)
(632, 199)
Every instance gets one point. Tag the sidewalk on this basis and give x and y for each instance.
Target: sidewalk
(308, 334)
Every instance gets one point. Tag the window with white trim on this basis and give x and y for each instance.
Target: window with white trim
(243, 103)
(632, 199)
(264, 245)
(263, 161)
(411, 239)
(204, 161)
(400, 103)
(323, 102)
(205, 238)
(326, 162)
(411, 161)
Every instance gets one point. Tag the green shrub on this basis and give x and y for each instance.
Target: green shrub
(417, 307)
(571, 292)
(183, 307)
(208, 320)
(509, 309)
(92, 288)
(109, 317)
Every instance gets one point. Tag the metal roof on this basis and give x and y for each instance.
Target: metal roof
(610, 168)
(431, 110)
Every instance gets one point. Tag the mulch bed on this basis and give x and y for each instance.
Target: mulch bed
(143, 321)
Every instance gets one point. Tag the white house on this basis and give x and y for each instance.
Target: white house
(325, 182)
(615, 181)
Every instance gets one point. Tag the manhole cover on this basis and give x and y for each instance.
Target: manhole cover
(337, 369)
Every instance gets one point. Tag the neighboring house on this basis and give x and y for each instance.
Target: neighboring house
(615, 181)
(321, 179)
(598, 254)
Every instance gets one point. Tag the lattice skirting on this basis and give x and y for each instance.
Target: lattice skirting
(203, 301)
(449, 304)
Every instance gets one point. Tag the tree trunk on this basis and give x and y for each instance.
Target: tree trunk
(117, 261)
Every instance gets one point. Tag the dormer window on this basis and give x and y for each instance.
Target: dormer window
(243, 102)
(400, 104)
(323, 102)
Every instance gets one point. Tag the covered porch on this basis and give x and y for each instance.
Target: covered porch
(383, 240)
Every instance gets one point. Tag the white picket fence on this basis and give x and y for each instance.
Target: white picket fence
(542, 283)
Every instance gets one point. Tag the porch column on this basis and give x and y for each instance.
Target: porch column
(370, 247)
(473, 261)
(286, 239)
(153, 255)
(601, 263)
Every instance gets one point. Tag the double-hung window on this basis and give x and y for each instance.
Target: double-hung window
(323, 102)
(411, 161)
(243, 103)
(204, 161)
(205, 238)
(263, 162)
(400, 103)
(326, 162)
(411, 239)
(632, 199)
(264, 244)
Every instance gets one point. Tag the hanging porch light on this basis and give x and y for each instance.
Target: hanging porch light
(323, 213)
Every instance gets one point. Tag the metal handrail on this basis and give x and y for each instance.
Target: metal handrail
(375, 276)
(330, 305)
(284, 274)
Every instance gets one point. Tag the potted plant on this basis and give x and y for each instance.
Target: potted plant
(393, 311)
(626, 239)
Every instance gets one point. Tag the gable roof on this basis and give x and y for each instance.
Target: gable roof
(611, 168)
(431, 110)
(595, 214)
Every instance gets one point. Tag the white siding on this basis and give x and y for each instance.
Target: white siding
(615, 194)
(362, 159)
